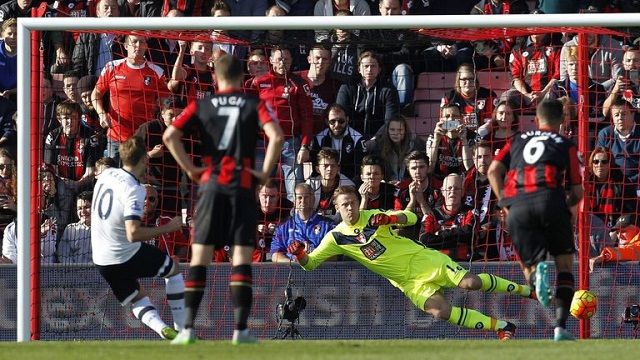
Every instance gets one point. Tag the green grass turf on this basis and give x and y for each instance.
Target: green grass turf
(327, 349)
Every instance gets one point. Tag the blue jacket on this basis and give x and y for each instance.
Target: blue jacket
(311, 232)
(626, 155)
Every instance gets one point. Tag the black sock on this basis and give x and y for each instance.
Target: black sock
(193, 291)
(241, 294)
(565, 284)
(532, 281)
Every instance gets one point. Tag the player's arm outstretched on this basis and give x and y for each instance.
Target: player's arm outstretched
(327, 249)
(137, 232)
(392, 218)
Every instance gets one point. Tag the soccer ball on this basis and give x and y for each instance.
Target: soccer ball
(584, 304)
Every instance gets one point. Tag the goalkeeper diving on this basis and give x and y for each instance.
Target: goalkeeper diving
(420, 272)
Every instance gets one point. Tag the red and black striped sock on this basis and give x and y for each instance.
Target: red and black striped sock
(241, 288)
(193, 291)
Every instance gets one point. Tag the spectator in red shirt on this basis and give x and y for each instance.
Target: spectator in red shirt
(134, 86)
(293, 108)
(194, 81)
(450, 226)
(535, 69)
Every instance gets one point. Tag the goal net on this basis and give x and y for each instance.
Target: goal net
(453, 87)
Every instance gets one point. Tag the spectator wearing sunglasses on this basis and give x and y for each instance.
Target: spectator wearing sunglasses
(608, 197)
(338, 135)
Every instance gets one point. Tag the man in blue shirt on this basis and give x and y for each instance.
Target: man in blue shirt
(305, 225)
(622, 138)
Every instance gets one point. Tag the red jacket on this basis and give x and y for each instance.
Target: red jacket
(292, 104)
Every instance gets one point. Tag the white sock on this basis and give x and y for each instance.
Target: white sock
(144, 310)
(175, 298)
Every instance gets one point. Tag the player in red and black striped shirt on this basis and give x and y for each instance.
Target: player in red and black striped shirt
(228, 123)
(542, 182)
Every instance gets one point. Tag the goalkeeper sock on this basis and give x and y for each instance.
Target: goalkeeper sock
(241, 288)
(474, 319)
(175, 297)
(144, 310)
(565, 284)
(193, 291)
(492, 283)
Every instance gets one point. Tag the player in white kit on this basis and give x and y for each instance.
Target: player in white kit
(117, 240)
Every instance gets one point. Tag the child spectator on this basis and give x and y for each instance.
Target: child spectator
(72, 149)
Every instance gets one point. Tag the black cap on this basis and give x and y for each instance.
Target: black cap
(625, 220)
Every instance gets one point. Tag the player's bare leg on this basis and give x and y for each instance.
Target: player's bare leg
(241, 288)
(194, 290)
(146, 312)
(440, 308)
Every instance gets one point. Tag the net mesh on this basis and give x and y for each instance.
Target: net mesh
(76, 303)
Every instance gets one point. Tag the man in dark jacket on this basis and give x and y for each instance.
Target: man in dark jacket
(369, 103)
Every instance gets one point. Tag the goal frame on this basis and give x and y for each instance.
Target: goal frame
(27, 228)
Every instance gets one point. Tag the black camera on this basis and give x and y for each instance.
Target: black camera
(632, 314)
(290, 309)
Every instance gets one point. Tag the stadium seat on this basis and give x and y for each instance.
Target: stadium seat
(498, 81)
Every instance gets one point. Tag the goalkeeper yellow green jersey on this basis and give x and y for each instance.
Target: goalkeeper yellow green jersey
(379, 249)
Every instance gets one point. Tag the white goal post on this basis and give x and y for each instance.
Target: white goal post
(26, 25)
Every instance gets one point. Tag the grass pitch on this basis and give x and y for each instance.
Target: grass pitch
(326, 349)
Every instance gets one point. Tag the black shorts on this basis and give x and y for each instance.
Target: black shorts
(149, 261)
(539, 225)
(223, 219)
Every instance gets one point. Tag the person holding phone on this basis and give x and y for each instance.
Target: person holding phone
(449, 148)
(627, 84)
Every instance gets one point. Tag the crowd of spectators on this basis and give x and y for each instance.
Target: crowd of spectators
(346, 100)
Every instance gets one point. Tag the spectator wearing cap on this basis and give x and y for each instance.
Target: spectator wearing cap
(627, 232)
(89, 115)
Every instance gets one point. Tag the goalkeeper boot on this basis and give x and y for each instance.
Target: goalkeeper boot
(243, 337)
(508, 332)
(185, 337)
(543, 289)
(562, 334)
(168, 333)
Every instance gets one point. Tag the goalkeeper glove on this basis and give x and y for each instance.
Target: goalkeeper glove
(297, 249)
(383, 219)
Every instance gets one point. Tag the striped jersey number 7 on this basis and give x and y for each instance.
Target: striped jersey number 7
(232, 113)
